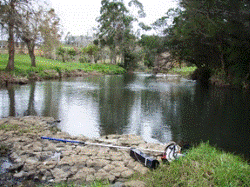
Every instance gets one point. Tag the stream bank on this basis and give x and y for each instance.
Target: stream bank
(35, 161)
(7, 78)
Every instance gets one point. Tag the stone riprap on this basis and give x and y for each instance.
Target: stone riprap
(53, 161)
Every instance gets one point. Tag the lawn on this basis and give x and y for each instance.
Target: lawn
(23, 66)
(184, 71)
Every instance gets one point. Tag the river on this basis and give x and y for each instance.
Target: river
(158, 109)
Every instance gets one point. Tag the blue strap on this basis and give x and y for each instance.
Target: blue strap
(62, 140)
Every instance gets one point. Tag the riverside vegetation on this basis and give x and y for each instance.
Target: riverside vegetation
(203, 165)
(49, 69)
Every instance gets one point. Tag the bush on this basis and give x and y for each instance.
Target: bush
(84, 59)
(61, 51)
(71, 52)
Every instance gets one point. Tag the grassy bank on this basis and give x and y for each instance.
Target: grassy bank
(202, 166)
(183, 71)
(23, 66)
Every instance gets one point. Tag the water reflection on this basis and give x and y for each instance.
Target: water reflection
(156, 109)
(114, 104)
(31, 106)
(219, 115)
(11, 93)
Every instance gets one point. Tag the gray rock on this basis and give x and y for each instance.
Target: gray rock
(109, 167)
(118, 170)
(102, 175)
(132, 163)
(31, 160)
(20, 174)
(117, 156)
(48, 165)
(71, 159)
(14, 156)
(23, 174)
(60, 174)
(16, 167)
(117, 184)
(135, 183)
(98, 163)
(37, 147)
(90, 178)
(49, 147)
(83, 173)
(66, 153)
(127, 173)
(88, 151)
(119, 163)
(141, 169)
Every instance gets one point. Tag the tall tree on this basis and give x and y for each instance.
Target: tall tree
(28, 30)
(49, 29)
(92, 51)
(8, 14)
(115, 27)
(152, 46)
(112, 22)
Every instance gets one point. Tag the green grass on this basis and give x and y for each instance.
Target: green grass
(9, 127)
(184, 71)
(202, 166)
(23, 66)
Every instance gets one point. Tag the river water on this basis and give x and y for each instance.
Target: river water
(159, 109)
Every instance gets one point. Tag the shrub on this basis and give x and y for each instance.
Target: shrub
(72, 53)
(61, 51)
(84, 59)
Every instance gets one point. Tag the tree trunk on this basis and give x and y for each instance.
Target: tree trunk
(11, 44)
(31, 47)
(63, 58)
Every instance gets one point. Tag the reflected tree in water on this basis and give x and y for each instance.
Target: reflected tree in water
(114, 105)
(31, 106)
(218, 115)
(11, 93)
(52, 102)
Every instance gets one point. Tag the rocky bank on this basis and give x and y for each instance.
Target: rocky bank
(44, 161)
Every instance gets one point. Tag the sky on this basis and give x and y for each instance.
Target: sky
(78, 16)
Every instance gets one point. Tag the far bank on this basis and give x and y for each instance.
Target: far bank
(50, 69)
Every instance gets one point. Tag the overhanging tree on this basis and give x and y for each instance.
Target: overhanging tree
(212, 34)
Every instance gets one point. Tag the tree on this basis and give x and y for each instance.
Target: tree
(49, 32)
(152, 46)
(212, 35)
(71, 52)
(92, 51)
(115, 27)
(61, 51)
(8, 12)
(28, 26)
(112, 22)
(23, 18)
